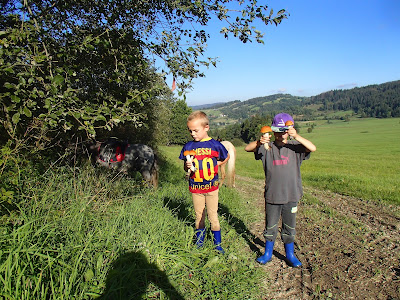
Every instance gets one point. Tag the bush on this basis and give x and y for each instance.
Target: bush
(237, 142)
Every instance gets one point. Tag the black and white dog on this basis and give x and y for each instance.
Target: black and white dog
(124, 157)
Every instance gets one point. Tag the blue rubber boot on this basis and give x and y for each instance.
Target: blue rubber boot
(200, 235)
(217, 241)
(291, 258)
(269, 246)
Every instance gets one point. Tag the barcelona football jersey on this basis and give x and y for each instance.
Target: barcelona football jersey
(208, 152)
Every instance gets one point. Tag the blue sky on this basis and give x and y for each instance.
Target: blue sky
(323, 45)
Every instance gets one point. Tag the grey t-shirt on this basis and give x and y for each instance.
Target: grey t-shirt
(282, 171)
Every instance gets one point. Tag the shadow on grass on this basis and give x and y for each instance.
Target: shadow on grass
(181, 210)
(241, 229)
(184, 213)
(130, 276)
(249, 237)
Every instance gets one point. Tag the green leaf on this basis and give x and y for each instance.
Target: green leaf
(9, 70)
(52, 123)
(101, 118)
(6, 195)
(100, 262)
(47, 103)
(15, 98)
(15, 118)
(58, 79)
(89, 274)
(76, 115)
(8, 85)
(27, 112)
(211, 262)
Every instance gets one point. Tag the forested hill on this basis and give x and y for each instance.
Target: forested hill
(240, 110)
(381, 101)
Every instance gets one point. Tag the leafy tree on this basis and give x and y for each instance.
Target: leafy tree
(178, 133)
(52, 87)
(70, 67)
(246, 131)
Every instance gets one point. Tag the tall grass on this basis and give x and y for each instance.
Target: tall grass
(80, 234)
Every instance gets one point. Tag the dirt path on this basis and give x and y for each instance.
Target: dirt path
(350, 249)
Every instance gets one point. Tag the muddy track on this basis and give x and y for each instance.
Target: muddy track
(350, 248)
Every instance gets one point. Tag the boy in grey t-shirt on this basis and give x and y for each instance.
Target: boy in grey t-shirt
(283, 188)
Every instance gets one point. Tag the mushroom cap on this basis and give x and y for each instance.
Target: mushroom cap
(289, 123)
(265, 129)
(189, 152)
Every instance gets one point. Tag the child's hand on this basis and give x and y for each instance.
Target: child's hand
(292, 132)
(264, 139)
(188, 164)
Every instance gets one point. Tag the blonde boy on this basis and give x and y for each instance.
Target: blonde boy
(203, 182)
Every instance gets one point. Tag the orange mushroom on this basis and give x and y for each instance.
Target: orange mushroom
(265, 130)
(189, 154)
(289, 124)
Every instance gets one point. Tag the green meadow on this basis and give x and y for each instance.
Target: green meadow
(358, 158)
(82, 233)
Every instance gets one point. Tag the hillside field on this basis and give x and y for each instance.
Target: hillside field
(358, 158)
(349, 216)
(85, 233)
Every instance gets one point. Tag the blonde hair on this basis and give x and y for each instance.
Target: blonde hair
(199, 115)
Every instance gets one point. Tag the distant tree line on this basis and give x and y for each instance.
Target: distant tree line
(260, 105)
(246, 131)
(249, 129)
(378, 101)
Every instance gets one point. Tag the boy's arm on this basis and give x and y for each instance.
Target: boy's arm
(222, 162)
(252, 146)
(306, 143)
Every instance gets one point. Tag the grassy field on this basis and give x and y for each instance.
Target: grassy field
(357, 158)
(83, 234)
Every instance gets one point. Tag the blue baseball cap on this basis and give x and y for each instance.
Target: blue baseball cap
(279, 121)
